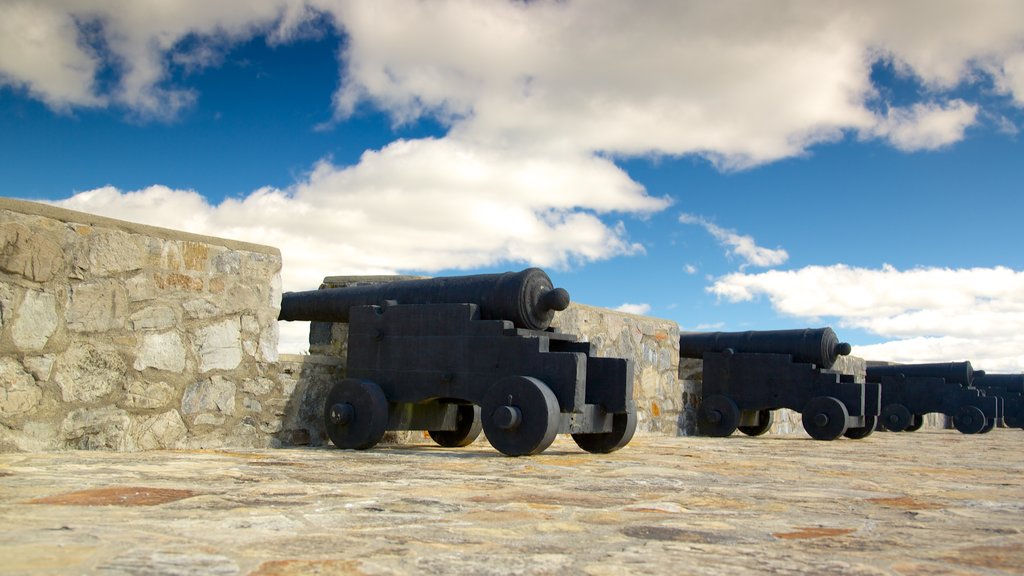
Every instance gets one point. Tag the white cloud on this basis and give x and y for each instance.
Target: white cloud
(690, 269)
(972, 311)
(419, 205)
(639, 309)
(738, 244)
(925, 126)
(738, 85)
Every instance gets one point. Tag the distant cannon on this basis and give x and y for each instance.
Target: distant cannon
(909, 391)
(454, 356)
(1009, 387)
(818, 346)
(747, 375)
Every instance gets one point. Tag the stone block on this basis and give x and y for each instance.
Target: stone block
(97, 306)
(146, 395)
(114, 251)
(86, 374)
(104, 428)
(219, 346)
(35, 321)
(19, 393)
(163, 351)
(40, 366)
(141, 287)
(215, 395)
(27, 254)
(161, 432)
(153, 318)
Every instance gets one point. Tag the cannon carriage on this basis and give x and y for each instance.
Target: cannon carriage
(1008, 387)
(454, 356)
(747, 375)
(910, 391)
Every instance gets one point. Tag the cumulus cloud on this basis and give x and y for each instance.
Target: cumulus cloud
(737, 244)
(741, 84)
(420, 205)
(639, 309)
(934, 314)
(925, 126)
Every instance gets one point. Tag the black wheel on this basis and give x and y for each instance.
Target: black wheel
(896, 417)
(969, 420)
(467, 428)
(1014, 418)
(989, 426)
(870, 423)
(764, 422)
(355, 414)
(718, 416)
(825, 418)
(623, 427)
(916, 422)
(520, 416)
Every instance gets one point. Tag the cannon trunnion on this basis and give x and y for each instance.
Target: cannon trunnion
(909, 391)
(431, 361)
(747, 375)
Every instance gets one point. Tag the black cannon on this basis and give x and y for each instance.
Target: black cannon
(456, 355)
(1008, 387)
(747, 375)
(909, 391)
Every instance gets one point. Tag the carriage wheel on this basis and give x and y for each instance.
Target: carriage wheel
(468, 425)
(916, 422)
(764, 422)
(896, 417)
(825, 418)
(623, 427)
(870, 422)
(520, 416)
(718, 416)
(355, 414)
(969, 420)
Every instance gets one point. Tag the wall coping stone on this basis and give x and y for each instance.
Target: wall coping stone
(34, 208)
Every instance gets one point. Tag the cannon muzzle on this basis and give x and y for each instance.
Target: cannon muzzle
(1009, 383)
(959, 372)
(526, 298)
(819, 346)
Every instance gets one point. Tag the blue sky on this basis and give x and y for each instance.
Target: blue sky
(730, 166)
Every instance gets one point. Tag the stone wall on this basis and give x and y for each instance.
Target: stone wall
(127, 337)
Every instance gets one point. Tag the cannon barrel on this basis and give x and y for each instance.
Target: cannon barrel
(819, 346)
(1011, 383)
(960, 372)
(526, 298)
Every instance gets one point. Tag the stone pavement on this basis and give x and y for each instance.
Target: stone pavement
(930, 502)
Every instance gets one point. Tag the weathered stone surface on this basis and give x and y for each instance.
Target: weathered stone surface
(40, 366)
(103, 428)
(163, 351)
(146, 395)
(269, 339)
(141, 287)
(19, 393)
(97, 306)
(227, 262)
(161, 432)
(31, 255)
(6, 303)
(215, 395)
(936, 504)
(86, 374)
(219, 346)
(153, 318)
(201, 309)
(35, 321)
(114, 251)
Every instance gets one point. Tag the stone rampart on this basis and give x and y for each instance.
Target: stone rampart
(128, 337)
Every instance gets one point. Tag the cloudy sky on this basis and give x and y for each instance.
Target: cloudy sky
(729, 165)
